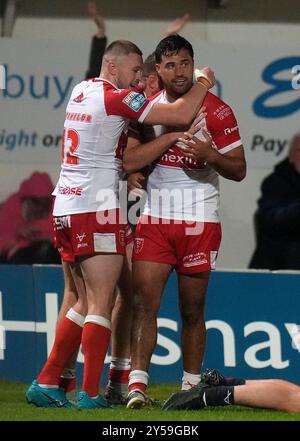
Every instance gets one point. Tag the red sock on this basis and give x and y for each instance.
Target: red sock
(137, 386)
(67, 384)
(67, 339)
(67, 380)
(118, 376)
(95, 342)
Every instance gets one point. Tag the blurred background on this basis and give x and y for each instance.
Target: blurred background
(253, 47)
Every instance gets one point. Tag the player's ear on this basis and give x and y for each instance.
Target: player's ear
(112, 67)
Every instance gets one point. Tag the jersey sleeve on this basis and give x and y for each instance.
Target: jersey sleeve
(223, 126)
(127, 103)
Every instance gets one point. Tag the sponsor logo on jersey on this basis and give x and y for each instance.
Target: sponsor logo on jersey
(134, 100)
(230, 130)
(222, 112)
(83, 117)
(174, 158)
(79, 98)
(76, 191)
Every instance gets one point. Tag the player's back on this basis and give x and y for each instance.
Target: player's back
(90, 140)
(90, 134)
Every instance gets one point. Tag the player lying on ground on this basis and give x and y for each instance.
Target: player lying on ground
(215, 390)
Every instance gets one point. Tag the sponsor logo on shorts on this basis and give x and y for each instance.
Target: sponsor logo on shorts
(194, 260)
(122, 238)
(61, 222)
(138, 244)
(80, 237)
(134, 100)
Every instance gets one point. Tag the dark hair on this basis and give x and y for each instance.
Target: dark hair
(171, 46)
(149, 65)
(122, 47)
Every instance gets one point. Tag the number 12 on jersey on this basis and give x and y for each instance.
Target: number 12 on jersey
(70, 140)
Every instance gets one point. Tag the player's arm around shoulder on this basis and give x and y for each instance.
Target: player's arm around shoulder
(182, 111)
(137, 155)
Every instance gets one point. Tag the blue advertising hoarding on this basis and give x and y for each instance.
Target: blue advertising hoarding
(252, 320)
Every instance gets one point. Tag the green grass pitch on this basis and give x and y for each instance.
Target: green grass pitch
(13, 407)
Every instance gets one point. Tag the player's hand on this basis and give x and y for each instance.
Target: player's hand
(135, 183)
(193, 129)
(196, 124)
(195, 148)
(205, 76)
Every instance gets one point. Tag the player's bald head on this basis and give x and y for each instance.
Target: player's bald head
(122, 64)
(121, 48)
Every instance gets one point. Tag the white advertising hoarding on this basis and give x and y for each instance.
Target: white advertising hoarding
(262, 84)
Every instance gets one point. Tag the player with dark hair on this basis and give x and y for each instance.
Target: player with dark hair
(182, 232)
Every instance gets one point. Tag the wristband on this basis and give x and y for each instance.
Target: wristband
(203, 79)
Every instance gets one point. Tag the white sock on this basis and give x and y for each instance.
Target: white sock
(48, 386)
(138, 377)
(75, 317)
(120, 364)
(189, 380)
(98, 319)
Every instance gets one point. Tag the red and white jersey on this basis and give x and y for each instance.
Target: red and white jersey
(95, 134)
(181, 188)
